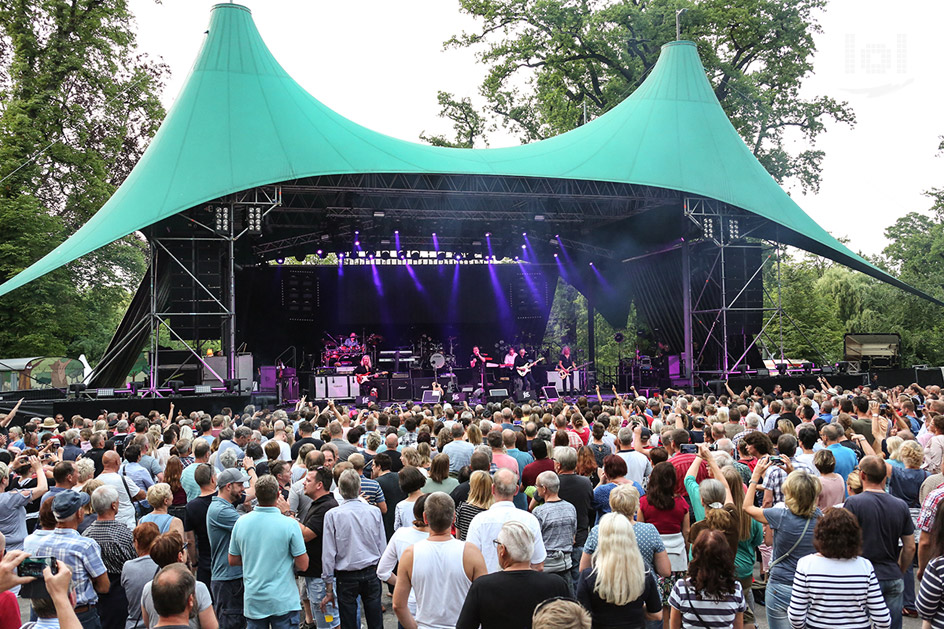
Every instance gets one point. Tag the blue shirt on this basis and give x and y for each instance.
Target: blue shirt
(188, 483)
(83, 556)
(846, 460)
(149, 463)
(268, 568)
(523, 458)
(601, 497)
(138, 473)
(221, 518)
(224, 446)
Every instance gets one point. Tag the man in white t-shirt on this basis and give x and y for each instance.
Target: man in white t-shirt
(485, 526)
(638, 465)
(128, 492)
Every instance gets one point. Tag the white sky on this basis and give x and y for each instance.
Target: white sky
(380, 63)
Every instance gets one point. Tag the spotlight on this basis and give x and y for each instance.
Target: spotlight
(379, 214)
(357, 243)
(524, 246)
(320, 253)
(524, 234)
(396, 232)
(254, 220)
(175, 385)
(555, 255)
(356, 232)
(591, 264)
(488, 234)
(557, 236)
(221, 218)
(280, 261)
(539, 217)
(516, 258)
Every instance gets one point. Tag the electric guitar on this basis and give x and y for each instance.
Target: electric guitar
(566, 371)
(364, 377)
(523, 371)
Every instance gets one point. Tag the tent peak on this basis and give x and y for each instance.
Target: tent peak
(231, 5)
(679, 42)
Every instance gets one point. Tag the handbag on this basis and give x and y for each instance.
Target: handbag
(792, 548)
(140, 510)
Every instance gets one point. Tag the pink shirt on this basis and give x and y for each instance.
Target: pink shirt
(501, 459)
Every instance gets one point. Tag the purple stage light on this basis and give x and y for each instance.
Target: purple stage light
(488, 234)
(524, 234)
(357, 243)
(591, 264)
(555, 255)
(280, 261)
(320, 253)
(524, 246)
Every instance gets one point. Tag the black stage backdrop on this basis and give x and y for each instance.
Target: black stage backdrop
(283, 306)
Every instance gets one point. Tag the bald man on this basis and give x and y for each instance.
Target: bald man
(128, 492)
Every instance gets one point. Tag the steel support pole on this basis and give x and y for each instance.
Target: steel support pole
(591, 327)
(687, 315)
(155, 320)
(231, 296)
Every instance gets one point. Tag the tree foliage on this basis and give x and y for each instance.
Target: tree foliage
(78, 106)
(550, 61)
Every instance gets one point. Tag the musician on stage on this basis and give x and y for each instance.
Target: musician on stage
(477, 360)
(351, 341)
(566, 362)
(525, 382)
(364, 369)
(510, 357)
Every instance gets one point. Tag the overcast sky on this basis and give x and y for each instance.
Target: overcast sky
(380, 63)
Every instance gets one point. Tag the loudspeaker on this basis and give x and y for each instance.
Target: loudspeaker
(400, 390)
(420, 386)
(431, 397)
(551, 393)
(497, 395)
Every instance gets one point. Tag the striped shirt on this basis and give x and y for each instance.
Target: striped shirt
(372, 491)
(930, 600)
(706, 612)
(826, 590)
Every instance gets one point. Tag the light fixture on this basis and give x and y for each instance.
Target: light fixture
(254, 220)
(221, 218)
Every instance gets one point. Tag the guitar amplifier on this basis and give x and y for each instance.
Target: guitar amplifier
(400, 390)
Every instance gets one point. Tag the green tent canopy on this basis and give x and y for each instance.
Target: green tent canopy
(241, 122)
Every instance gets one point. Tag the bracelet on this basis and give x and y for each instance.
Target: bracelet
(753, 482)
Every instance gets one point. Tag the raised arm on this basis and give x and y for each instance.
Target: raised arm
(9, 418)
(755, 512)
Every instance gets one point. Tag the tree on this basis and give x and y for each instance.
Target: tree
(468, 124)
(78, 106)
(550, 61)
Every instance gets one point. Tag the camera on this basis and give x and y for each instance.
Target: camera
(776, 460)
(34, 566)
(688, 448)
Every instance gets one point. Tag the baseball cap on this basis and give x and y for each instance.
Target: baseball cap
(231, 475)
(67, 503)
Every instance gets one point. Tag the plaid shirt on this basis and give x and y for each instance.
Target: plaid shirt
(773, 480)
(737, 438)
(929, 509)
(116, 542)
(186, 460)
(81, 554)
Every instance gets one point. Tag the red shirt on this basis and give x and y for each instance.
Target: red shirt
(9, 611)
(681, 462)
(667, 522)
(531, 471)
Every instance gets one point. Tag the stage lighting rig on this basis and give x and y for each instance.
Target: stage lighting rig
(254, 220)
(221, 219)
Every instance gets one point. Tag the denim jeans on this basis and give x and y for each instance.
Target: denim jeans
(778, 602)
(283, 621)
(575, 568)
(893, 590)
(364, 583)
(228, 603)
(89, 619)
(316, 592)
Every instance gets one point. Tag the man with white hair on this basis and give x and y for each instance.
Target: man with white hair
(558, 520)
(751, 423)
(509, 597)
(485, 526)
(82, 554)
(439, 570)
(353, 542)
(117, 547)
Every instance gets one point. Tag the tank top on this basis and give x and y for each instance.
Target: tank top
(162, 520)
(439, 582)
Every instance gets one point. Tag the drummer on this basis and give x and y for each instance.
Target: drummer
(351, 341)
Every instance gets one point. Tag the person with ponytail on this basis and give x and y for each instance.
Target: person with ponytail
(618, 590)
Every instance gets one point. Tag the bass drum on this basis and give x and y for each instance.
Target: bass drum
(437, 361)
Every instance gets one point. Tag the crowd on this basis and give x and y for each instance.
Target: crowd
(822, 506)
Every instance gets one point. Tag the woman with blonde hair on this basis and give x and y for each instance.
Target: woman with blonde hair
(785, 426)
(624, 500)
(793, 527)
(474, 434)
(90, 515)
(479, 500)
(618, 590)
(426, 455)
(411, 458)
(160, 498)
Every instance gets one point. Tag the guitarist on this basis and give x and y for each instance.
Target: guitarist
(364, 369)
(565, 362)
(525, 382)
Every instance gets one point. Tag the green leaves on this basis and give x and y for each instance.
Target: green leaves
(78, 106)
(550, 59)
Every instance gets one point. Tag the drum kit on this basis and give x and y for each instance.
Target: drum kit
(347, 352)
